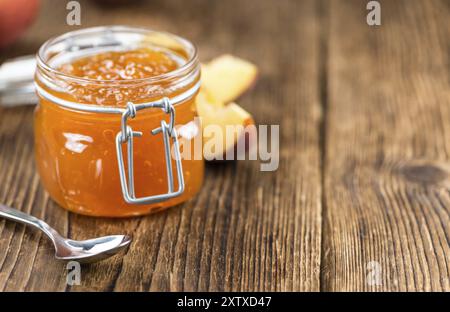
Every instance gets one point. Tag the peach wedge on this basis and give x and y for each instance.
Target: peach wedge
(223, 80)
(227, 77)
(217, 118)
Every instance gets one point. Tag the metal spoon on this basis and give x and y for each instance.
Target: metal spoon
(90, 250)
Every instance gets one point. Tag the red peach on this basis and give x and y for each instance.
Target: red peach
(15, 17)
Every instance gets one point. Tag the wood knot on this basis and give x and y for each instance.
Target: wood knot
(428, 174)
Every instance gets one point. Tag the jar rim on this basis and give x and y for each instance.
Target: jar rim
(190, 65)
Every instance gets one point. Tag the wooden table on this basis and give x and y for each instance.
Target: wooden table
(363, 185)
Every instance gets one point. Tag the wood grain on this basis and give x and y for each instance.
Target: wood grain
(246, 230)
(387, 146)
(364, 179)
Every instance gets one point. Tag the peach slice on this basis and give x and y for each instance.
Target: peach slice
(227, 77)
(216, 121)
(15, 17)
(163, 40)
(223, 80)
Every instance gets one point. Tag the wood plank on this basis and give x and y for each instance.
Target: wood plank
(247, 230)
(387, 174)
(23, 249)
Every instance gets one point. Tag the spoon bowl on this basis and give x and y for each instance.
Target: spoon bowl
(91, 250)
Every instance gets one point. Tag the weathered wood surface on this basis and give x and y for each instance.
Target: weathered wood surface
(387, 150)
(364, 170)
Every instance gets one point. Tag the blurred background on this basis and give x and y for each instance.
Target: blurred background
(26, 24)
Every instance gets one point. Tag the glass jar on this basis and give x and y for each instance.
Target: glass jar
(112, 147)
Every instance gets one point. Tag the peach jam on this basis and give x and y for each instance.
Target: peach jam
(98, 89)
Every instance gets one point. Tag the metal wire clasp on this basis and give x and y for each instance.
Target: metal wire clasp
(126, 135)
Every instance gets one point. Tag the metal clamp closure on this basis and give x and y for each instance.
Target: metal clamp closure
(127, 135)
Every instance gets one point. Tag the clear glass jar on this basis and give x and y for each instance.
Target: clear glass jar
(83, 126)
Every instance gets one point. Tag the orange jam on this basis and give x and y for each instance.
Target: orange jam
(140, 63)
(76, 150)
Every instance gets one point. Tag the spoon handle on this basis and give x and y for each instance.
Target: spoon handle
(21, 217)
(17, 81)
